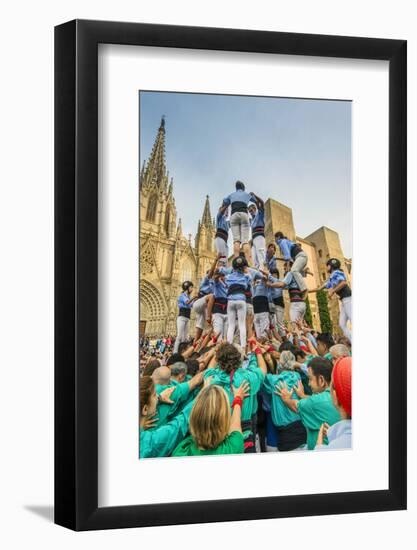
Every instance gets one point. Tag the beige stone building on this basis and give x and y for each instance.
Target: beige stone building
(167, 257)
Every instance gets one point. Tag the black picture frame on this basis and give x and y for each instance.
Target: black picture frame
(76, 272)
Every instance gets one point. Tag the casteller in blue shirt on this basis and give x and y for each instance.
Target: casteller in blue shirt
(239, 199)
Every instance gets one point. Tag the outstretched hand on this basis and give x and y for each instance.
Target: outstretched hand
(165, 396)
(150, 422)
(299, 390)
(242, 391)
(283, 391)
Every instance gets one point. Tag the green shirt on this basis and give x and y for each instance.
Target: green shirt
(251, 374)
(162, 440)
(315, 410)
(165, 411)
(231, 445)
(280, 413)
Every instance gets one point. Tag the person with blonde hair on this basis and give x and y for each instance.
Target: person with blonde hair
(214, 429)
(229, 373)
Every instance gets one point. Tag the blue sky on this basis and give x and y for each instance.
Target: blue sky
(297, 151)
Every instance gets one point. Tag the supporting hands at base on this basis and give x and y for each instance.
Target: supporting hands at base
(322, 434)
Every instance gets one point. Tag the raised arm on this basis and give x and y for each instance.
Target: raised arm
(239, 395)
(213, 266)
(256, 349)
(259, 202)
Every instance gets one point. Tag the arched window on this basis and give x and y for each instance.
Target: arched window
(167, 221)
(186, 270)
(151, 212)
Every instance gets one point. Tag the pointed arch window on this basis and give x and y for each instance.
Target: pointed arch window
(167, 221)
(151, 212)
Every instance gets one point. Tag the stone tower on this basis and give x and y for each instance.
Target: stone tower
(278, 217)
(204, 241)
(327, 244)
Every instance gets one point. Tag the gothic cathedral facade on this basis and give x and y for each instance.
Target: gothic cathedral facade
(167, 257)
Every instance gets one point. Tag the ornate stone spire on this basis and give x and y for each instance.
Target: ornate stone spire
(206, 219)
(155, 172)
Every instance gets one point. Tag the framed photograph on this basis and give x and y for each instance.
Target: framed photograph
(230, 255)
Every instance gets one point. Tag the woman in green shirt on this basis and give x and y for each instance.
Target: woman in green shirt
(214, 430)
(162, 440)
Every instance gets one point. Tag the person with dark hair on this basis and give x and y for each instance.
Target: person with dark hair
(229, 374)
(297, 302)
(200, 305)
(260, 304)
(337, 284)
(180, 396)
(324, 343)
(237, 282)
(151, 365)
(239, 219)
(222, 235)
(185, 302)
(271, 259)
(175, 358)
(217, 307)
(339, 435)
(294, 257)
(193, 367)
(257, 212)
(318, 408)
(156, 441)
(276, 303)
(182, 348)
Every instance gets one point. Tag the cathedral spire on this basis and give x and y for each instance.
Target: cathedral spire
(206, 219)
(155, 171)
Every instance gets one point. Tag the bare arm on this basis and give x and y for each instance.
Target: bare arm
(235, 423)
(259, 356)
(310, 346)
(322, 287)
(196, 380)
(205, 359)
(188, 352)
(259, 202)
(278, 284)
(213, 267)
(338, 287)
(204, 341)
